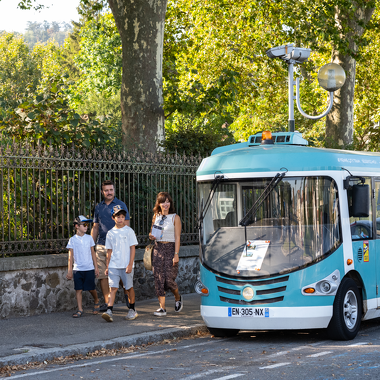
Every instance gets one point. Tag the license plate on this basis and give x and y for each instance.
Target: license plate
(251, 312)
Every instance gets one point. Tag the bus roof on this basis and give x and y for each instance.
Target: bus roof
(241, 158)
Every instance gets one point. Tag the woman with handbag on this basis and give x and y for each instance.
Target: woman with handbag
(166, 231)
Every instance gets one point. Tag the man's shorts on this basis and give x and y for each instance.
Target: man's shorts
(84, 280)
(115, 275)
(101, 258)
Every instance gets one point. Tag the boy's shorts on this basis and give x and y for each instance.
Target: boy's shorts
(116, 274)
(84, 280)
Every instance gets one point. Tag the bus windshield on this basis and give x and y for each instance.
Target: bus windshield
(298, 224)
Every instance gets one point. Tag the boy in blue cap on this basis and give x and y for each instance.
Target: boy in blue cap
(82, 255)
(120, 244)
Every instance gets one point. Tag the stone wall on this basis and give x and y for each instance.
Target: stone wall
(37, 284)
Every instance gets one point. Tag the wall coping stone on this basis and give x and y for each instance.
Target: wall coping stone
(8, 264)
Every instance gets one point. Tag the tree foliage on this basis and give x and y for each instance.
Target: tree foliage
(215, 70)
(22, 70)
(48, 120)
(37, 32)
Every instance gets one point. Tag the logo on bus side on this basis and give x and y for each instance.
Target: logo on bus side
(365, 251)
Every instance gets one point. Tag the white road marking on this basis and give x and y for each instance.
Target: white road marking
(91, 363)
(319, 354)
(281, 353)
(358, 344)
(277, 354)
(210, 372)
(230, 376)
(275, 365)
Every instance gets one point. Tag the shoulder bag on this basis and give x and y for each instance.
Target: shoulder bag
(148, 259)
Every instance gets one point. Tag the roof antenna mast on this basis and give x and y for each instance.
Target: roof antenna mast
(331, 77)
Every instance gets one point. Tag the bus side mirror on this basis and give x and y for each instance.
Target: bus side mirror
(359, 201)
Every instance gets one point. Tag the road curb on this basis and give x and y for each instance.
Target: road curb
(41, 354)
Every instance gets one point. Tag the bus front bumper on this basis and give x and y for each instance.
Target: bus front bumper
(267, 318)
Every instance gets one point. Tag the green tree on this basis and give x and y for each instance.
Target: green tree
(48, 119)
(367, 93)
(37, 32)
(338, 26)
(100, 58)
(22, 70)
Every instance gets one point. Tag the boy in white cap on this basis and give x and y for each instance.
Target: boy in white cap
(82, 265)
(120, 244)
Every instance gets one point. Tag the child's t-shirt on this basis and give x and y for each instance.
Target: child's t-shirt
(120, 240)
(81, 246)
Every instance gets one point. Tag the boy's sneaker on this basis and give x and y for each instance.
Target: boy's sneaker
(178, 305)
(160, 312)
(108, 315)
(132, 314)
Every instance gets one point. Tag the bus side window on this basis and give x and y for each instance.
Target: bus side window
(361, 227)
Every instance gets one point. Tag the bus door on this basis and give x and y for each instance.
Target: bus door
(364, 245)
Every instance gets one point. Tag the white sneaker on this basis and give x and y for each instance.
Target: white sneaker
(108, 315)
(178, 305)
(160, 312)
(132, 314)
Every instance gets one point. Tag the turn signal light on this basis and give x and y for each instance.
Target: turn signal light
(309, 290)
(200, 288)
(349, 261)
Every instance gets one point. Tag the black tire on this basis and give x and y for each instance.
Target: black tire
(347, 312)
(222, 332)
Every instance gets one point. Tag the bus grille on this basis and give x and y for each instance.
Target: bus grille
(237, 287)
(269, 281)
(254, 302)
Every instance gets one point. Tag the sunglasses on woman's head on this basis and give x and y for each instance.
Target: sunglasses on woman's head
(161, 222)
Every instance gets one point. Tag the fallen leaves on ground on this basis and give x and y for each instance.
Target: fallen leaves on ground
(8, 370)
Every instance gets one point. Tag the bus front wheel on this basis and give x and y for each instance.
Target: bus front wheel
(347, 312)
(222, 332)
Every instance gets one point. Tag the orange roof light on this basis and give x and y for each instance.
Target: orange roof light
(267, 135)
(266, 138)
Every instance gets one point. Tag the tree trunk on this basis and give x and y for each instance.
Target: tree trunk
(141, 27)
(340, 121)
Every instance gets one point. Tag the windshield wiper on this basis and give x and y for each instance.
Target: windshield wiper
(215, 184)
(264, 195)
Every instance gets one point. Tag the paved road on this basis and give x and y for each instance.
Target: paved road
(263, 355)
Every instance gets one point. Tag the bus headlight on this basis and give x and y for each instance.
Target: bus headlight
(248, 293)
(325, 287)
(200, 288)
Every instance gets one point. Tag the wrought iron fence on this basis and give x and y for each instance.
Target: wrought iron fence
(42, 190)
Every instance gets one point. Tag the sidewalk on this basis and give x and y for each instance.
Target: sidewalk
(43, 337)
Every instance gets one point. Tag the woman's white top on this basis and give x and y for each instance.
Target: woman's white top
(167, 227)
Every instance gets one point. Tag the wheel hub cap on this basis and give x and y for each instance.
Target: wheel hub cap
(350, 308)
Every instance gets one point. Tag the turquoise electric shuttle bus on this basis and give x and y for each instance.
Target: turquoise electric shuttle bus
(289, 237)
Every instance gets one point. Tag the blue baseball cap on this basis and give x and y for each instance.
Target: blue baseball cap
(81, 219)
(116, 209)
